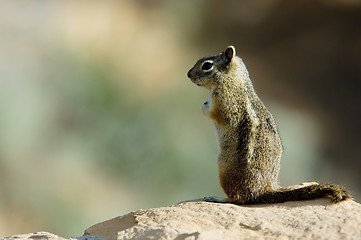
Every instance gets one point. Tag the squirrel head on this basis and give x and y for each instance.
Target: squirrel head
(208, 70)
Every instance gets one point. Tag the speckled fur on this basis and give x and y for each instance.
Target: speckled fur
(249, 143)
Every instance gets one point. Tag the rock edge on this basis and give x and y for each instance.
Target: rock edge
(314, 219)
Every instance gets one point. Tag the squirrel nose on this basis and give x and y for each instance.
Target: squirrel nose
(189, 74)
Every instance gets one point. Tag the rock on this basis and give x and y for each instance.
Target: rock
(315, 219)
(47, 236)
(35, 236)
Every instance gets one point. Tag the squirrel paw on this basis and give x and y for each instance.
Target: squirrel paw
(216, 199)
(205, 108)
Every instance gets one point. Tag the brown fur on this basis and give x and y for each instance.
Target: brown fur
(250, 146)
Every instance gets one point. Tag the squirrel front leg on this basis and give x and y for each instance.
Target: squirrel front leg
(206, 106)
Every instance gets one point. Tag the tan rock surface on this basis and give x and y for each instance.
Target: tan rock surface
(35, 236)
(46, 236)
(316, 219)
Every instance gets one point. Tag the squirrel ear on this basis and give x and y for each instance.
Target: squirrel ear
(228, 54)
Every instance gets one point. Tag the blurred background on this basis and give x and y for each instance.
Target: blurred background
(98, 118)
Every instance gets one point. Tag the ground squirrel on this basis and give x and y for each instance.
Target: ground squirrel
(249, 143)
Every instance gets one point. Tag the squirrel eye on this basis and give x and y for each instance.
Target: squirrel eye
(206, 66)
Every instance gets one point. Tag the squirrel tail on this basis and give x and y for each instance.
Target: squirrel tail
(335, 192)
